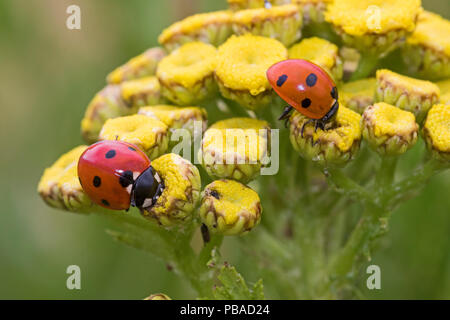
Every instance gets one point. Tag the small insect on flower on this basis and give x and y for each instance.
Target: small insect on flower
(307, 88)
(115, 174)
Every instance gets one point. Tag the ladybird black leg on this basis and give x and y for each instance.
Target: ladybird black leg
(316, 125)
(286, 113)
(304, 125)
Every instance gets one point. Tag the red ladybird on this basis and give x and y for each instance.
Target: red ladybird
(307, 88)
(115, 174)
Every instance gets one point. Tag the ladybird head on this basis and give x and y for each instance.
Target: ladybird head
(147, 188)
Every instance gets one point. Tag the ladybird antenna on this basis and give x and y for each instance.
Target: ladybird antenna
(267, 4)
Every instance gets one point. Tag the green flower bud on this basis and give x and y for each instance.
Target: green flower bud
(313, 10)
(230, 208)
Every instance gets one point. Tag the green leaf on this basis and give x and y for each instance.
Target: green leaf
(234, 286)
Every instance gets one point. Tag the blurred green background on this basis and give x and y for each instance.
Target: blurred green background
(48, 75)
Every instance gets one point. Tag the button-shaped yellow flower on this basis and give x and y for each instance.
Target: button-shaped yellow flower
(212, 27)
(321, 52)
(182, 188)
(357, 95)
(436, 132)
(117, 100)
(143, 65)
(427, 50)
(242, 64)
(187, 74)
(230, 208)
(336, 145)
(141, 92)
(177, 117)
(376, 26)
(148, 134)
(158, 296)
(313, 10)
(251, 4)
(388, 129)
(278, 22)
(416, 96)
(60, 187)
(235, 148)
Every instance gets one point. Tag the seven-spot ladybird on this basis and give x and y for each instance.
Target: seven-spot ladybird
(306, 87)
(115, 174)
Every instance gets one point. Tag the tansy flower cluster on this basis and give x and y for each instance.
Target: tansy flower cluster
(209, 79)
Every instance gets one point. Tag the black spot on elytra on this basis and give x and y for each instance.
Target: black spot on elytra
(126, 179)
(132, 149)
(334, 93)
(215, 194)
(97, 181)
(306, 103)
(105, 202)
(311, 80)
(110, 154)
(281, 80)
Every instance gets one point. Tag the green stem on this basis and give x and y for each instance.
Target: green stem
(366, 66)
(403, 189)
(346, 185)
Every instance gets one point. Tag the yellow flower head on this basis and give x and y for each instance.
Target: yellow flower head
(235, 148)
(336, 145)
(436, 131)
(432, 32)
(211, 27)
(279, 22)
(60, 188)
(140, 92)
(373, 26)
(182, 187)
(427, 50)
(176, 117)
(357, 95)
(106, 104)
(406, 93)
(358, 17)
(388, 129)
(321, 52)
(158, 296)
(313, 10)
(143, 65)
(251, 4)
(230, 208)
(186, 75)
(242, 64)
(148, 134)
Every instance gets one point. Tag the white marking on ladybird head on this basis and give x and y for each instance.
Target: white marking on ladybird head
(147, 203)
(157, 177)
(136, 175)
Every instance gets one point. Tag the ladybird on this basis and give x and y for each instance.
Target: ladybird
(116, 174)
(307, 88)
